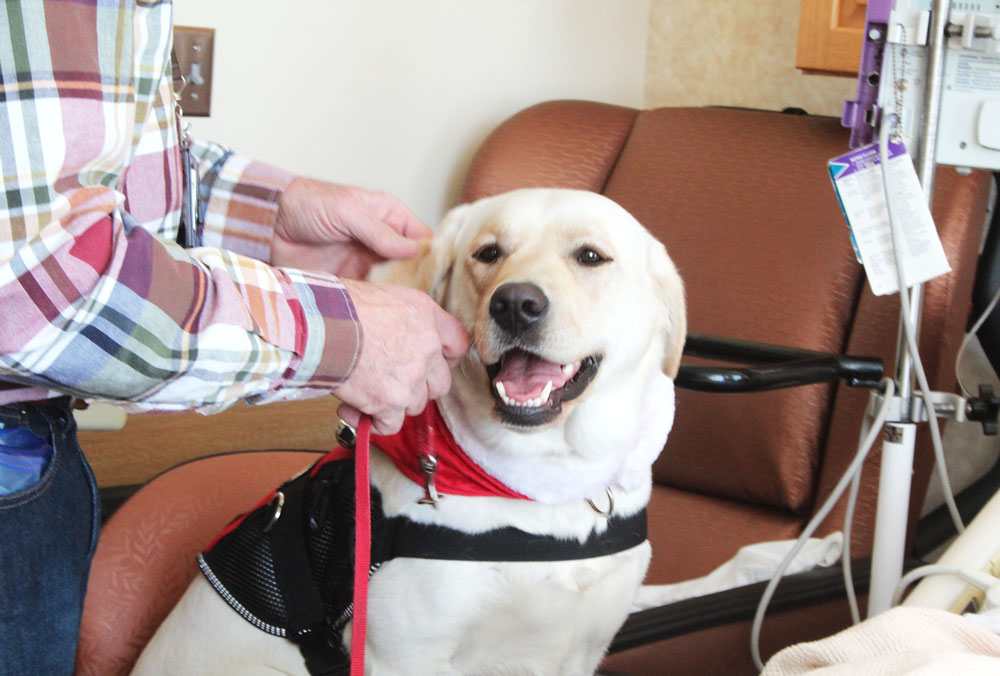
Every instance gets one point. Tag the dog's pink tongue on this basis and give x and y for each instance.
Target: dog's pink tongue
(524, 376)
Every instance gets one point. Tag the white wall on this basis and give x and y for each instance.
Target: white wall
(397, 94)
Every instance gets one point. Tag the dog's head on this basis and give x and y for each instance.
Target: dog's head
(570, 302)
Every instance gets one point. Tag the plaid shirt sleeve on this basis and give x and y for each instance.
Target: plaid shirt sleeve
(97, 299)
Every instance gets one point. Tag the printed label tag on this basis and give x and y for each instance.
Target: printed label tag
(857, 179)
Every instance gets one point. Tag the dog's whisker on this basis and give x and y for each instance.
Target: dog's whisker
(471, 358)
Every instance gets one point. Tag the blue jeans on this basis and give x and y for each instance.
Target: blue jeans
(48, 533)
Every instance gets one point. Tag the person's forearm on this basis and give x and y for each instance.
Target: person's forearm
(117, 313)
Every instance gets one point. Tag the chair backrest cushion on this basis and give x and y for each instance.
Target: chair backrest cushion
(743, 202)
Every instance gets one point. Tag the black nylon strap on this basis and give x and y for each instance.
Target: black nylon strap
(402, 537)
(289, 549)
(323, 659)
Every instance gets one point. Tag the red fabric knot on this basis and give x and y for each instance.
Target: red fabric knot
(457, 473)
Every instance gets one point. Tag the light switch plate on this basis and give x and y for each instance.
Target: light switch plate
(194, 47)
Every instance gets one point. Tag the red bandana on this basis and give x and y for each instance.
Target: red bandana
(457, 473)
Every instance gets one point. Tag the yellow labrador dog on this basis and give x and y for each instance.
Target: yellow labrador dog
(578, 322)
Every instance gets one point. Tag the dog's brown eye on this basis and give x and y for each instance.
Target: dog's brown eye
(586, 256)
(488, 254)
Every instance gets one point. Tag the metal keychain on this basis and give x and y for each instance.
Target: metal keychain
(189, 204)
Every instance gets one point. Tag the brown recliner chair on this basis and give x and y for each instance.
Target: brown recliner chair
(743, 202)
(744, 205)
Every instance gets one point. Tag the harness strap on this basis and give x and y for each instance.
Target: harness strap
(405, 538)
(303, 603)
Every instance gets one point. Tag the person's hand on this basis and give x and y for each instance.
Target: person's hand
(341, 230)
(409, 348)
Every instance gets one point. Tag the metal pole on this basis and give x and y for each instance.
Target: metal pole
(897, 458)
(924, 159)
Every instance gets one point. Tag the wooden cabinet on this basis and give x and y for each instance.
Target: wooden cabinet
(830, 36)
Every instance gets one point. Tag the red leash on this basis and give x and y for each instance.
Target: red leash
(362, 545)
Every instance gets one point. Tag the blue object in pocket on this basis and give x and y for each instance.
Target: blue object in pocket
(23, 458)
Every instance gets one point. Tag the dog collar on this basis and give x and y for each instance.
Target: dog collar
(425, 451)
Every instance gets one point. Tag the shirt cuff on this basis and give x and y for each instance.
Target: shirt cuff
(238, 199)
(328, 337)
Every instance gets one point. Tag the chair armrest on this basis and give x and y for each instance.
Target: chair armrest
(802, 589)
(770, 367)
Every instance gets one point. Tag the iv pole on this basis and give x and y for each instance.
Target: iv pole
(892, 509)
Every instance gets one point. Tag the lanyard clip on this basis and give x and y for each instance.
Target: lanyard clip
(429, 465)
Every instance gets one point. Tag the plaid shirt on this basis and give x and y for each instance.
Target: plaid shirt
(97, 300)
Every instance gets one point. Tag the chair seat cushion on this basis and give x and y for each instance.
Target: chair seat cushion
(146, 554)
(712, 529)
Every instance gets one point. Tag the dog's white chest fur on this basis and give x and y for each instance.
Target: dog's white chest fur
(468, 618)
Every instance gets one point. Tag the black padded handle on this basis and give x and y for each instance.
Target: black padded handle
(769, 367)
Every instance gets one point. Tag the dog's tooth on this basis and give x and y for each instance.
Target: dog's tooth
(544, 396)
(502, 391)
(567, 369)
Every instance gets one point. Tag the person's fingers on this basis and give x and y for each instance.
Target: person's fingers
(386, 226)
(397, 215)
(416, 407)
(349, 415)
(407, 357)
(388, 422)
(380, 238)
(438, 378)
(454, 337)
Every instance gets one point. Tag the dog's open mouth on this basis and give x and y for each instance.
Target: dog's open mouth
(530, 390)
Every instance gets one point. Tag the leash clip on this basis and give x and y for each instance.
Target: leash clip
(428, 465)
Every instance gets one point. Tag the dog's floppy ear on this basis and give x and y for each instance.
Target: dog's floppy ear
(669, 290)
(430, 268)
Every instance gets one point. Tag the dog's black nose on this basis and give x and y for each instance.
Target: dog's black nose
(517, 306)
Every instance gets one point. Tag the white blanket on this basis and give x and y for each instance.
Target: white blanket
(903, 640)
(752, 563)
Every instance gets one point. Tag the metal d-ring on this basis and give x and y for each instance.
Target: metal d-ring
(276, 503)
(346, 435)
(611, 504)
